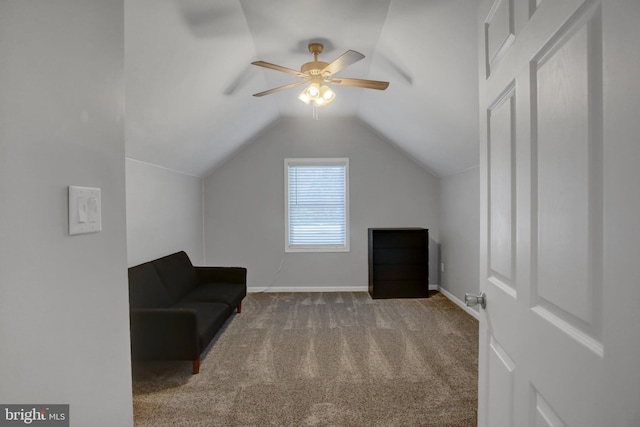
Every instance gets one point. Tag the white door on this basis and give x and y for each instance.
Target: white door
(560, 213)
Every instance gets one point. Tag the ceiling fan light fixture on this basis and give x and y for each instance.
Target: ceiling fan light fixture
(313, 90)
(318, 95)
(327, 94)
(304, 97)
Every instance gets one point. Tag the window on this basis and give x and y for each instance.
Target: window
(316, 205)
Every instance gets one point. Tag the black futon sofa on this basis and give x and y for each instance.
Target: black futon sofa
(176, 309)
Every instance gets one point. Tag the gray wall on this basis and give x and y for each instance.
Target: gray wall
(164, 213)
(64, 321)
(460, 233)
(244, 202)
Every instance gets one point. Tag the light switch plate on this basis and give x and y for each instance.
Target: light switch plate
(84, 210)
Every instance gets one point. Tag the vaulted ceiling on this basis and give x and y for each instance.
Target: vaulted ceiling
(189, 82)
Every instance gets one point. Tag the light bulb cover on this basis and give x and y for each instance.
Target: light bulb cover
(313, 90)
(304, 97)
(327, 93)
(326, 96)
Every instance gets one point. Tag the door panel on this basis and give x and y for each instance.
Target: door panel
(559, 153)
(501, 185)
(544, 415)
(498, 32)
(500, 389)
(566, 121)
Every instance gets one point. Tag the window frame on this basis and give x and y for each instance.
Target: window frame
(325, 161)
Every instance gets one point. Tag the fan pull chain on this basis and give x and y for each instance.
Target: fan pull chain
(314, 111)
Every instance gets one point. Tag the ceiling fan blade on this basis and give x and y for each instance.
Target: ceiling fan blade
(368, 84)
(279, 88)
(279, 68)
(346, 59)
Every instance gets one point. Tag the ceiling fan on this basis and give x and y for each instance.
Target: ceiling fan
(317, 73)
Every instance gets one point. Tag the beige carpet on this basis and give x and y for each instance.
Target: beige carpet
(323, 359)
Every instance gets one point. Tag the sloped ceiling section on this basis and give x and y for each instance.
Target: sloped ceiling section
(428, 50)
(189, 83)
(189, 80)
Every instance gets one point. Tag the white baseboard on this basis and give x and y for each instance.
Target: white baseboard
(459, 303)
(251, 289)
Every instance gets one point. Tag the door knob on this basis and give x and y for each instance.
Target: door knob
(472, 300)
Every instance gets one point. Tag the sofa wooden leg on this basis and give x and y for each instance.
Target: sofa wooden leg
(240, 307)
(196, 365)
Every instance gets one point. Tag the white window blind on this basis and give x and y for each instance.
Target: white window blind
(317, 204)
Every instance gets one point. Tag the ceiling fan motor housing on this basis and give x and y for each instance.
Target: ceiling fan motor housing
(313, 68)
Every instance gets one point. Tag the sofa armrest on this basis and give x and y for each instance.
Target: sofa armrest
(164, 333)
(222, 275)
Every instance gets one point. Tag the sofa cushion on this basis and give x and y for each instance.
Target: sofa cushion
(146, 289)
(228, 293)
(177, 273)
(211, 316)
